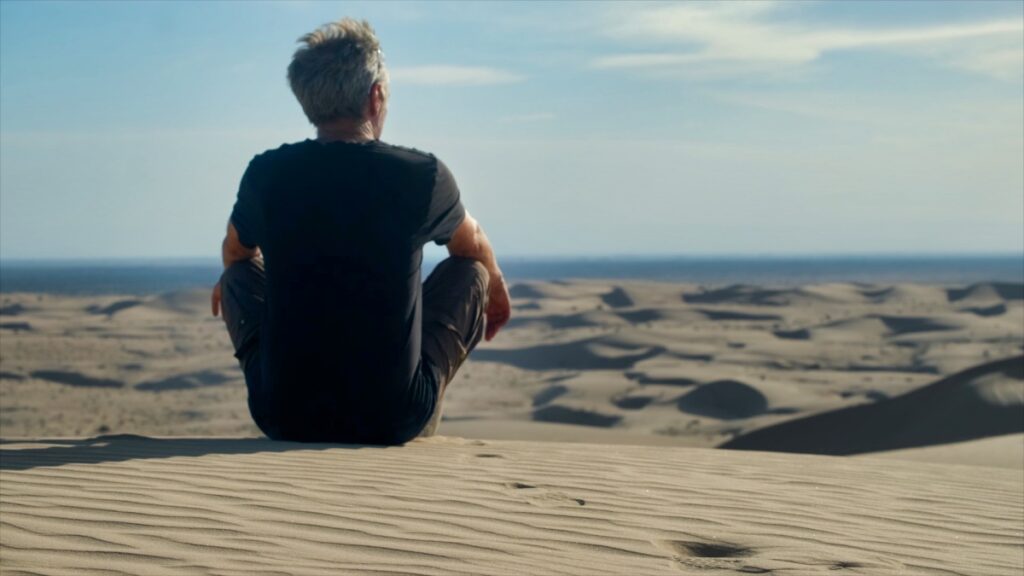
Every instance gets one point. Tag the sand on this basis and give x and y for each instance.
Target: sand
(648, 362)
(580, 441)
(122, 505)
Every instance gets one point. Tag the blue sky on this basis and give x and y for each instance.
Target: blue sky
(572, 128)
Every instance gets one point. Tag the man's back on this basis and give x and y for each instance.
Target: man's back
(321, 293)
(341, 227)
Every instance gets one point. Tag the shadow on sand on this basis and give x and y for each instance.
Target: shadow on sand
(979, 402)
(124, 447)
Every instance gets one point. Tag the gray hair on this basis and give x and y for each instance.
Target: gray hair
(333, 73)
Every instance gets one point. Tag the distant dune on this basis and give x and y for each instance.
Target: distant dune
(986, 400)
(636, 362)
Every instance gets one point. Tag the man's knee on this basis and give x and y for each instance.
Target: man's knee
(480, 277)
(456, 275)
(456, 264)
(454, 308)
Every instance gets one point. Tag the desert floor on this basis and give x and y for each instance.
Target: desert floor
(575, 442)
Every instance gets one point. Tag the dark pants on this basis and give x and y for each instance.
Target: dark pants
(454, 301)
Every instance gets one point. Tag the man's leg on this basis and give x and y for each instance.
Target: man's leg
(454, 301)
(243, 292)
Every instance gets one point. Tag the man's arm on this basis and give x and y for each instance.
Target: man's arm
(469, 241)
(232, 250)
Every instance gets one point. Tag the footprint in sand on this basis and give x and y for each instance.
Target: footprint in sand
(544, 497)
(706, 555)
(718, 555)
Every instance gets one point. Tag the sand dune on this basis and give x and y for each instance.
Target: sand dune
(754, 295)
(987, 292)
(986, 400)
(667, 362)
(598, 353)
(124, 505)
(1005, 451)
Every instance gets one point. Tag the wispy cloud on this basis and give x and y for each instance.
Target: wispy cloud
(739, 35)
(450, 75)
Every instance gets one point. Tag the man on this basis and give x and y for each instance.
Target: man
(321, 292)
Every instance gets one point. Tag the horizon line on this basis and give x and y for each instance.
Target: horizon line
(557, 257)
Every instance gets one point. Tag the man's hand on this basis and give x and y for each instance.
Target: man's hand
(499, 310)
(215, 299)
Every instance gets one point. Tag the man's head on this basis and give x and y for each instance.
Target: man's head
(339, 74)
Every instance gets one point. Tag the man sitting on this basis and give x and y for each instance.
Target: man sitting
(321, 293)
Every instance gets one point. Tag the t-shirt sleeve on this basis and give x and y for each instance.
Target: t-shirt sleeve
(444, 212)
(247, 215)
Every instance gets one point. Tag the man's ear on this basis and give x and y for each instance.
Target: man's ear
(376, 103)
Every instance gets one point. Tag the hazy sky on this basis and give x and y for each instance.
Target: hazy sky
(572, 129)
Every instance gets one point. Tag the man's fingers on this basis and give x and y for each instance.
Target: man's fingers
(492, 330)
(494, 323)
(490, 327)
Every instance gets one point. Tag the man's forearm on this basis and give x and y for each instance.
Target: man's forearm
(485, 255)
(480, 250)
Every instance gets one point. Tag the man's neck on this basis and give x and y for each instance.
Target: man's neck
(345, 131)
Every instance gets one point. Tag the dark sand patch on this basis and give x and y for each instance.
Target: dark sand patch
(751, 295)
(12, 310)
(76, 379)
(185, 381)
(565, 415)
(632, 402)
(878, 294)
(908, 325)
(548, 394)
(114, 308)
(986, 290)
(873, 395)
(986, 400)
(617, 298)
(580, 355)
(643, 378)
(798, 334)
(718, 315)
(987, 311)
(16, 326)
(709, 549)
(724, 400)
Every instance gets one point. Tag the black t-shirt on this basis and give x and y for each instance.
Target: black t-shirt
(341, 227)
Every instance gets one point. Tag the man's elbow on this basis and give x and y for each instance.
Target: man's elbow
(232, 249)
(467, 240)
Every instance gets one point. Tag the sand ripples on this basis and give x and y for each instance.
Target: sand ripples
(133, 505)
